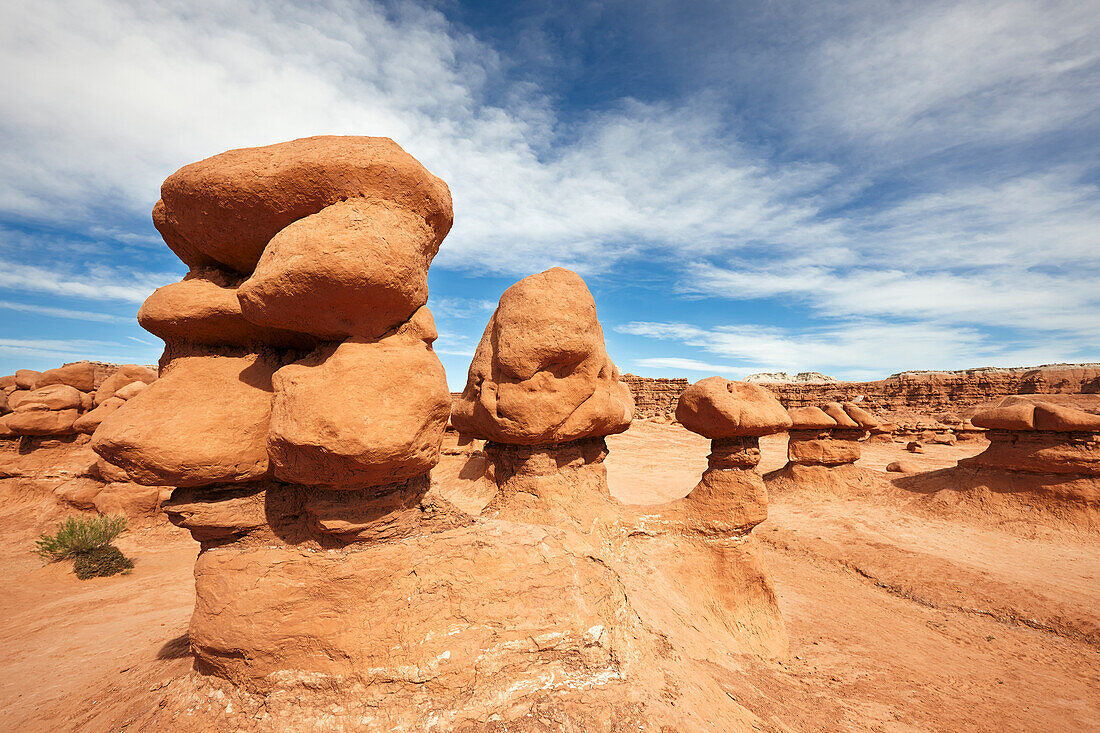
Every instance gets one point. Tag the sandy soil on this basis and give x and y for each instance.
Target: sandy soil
(900, 620)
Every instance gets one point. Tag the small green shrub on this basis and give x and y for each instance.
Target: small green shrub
(78, 535)
(101, 562)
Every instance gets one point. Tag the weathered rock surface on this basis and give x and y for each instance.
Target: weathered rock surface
(837, 413)
(91, 420)
(26, 378)
(1041, 451)
(82, 375)
(53, 397)
(810, 418)
(203, 308)
(541, 374)
(126, 374)
(41, 422)
(223, 211)
(218, 513)
(358, 415)
(718, 408)
(360, 268)
(824, 447)
(203, 422)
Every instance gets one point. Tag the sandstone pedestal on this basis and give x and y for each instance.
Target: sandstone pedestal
(823, 446)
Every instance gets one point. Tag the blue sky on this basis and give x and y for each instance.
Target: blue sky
(853, 188)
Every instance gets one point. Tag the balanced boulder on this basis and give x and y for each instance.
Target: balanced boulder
(360, 414)
(361, 264)
(718, 408)
(203, 422)
(224, 210)
(203, 308)
(541, 374)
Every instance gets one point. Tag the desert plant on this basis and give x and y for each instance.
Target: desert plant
(78, 535)
(101, 562)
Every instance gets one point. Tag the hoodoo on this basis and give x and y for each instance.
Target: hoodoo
(822, 448)
(1042, 464)
(543, 393)
(299, 412)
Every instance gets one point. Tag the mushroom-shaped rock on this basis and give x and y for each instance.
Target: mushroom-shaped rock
(863, 418)
(823, 436)
(223, 211)
(1065, 419)
(810, 418)
(541, 374)
(1011, 413)
(836, 412)
(203, 422)
(126, 374)
(358, 415)
(356, 268)
(203, 308)
(718, 408)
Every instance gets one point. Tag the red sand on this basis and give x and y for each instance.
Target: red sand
(900, 619)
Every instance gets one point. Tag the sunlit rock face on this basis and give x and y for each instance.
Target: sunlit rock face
(341, 584)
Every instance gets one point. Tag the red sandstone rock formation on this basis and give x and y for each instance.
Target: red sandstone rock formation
(1038, 437)
(822, 448)
(332, 571)
(1043, 462)
(51, 419)
(58, 402)
(913, 391)
(541, 374)
(299, 404)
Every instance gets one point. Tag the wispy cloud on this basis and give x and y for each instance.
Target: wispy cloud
(99, 283)
(461, 307)
(688, 365)
(75, 315)
(54, 351)
(899, 170)
(911, 78)
(856, 350)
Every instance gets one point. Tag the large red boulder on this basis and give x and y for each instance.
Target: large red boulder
(222, 211)
(718, 408)
(541, 374)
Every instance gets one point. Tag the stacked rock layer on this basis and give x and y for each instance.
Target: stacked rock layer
(1039, 437)
(69, 400)
(300, 405)
(828, 435)
(298, 413)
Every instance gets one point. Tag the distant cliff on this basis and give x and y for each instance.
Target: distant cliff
(919, 391)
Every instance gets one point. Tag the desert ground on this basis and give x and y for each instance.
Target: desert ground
(903, 614)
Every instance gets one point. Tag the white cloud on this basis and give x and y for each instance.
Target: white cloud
(855, 351)
(66, 313)
(56, 351)
(97, 283)
(675, 363)
(912, 78)
(104, 99)
(108, 98)
(461, 307)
